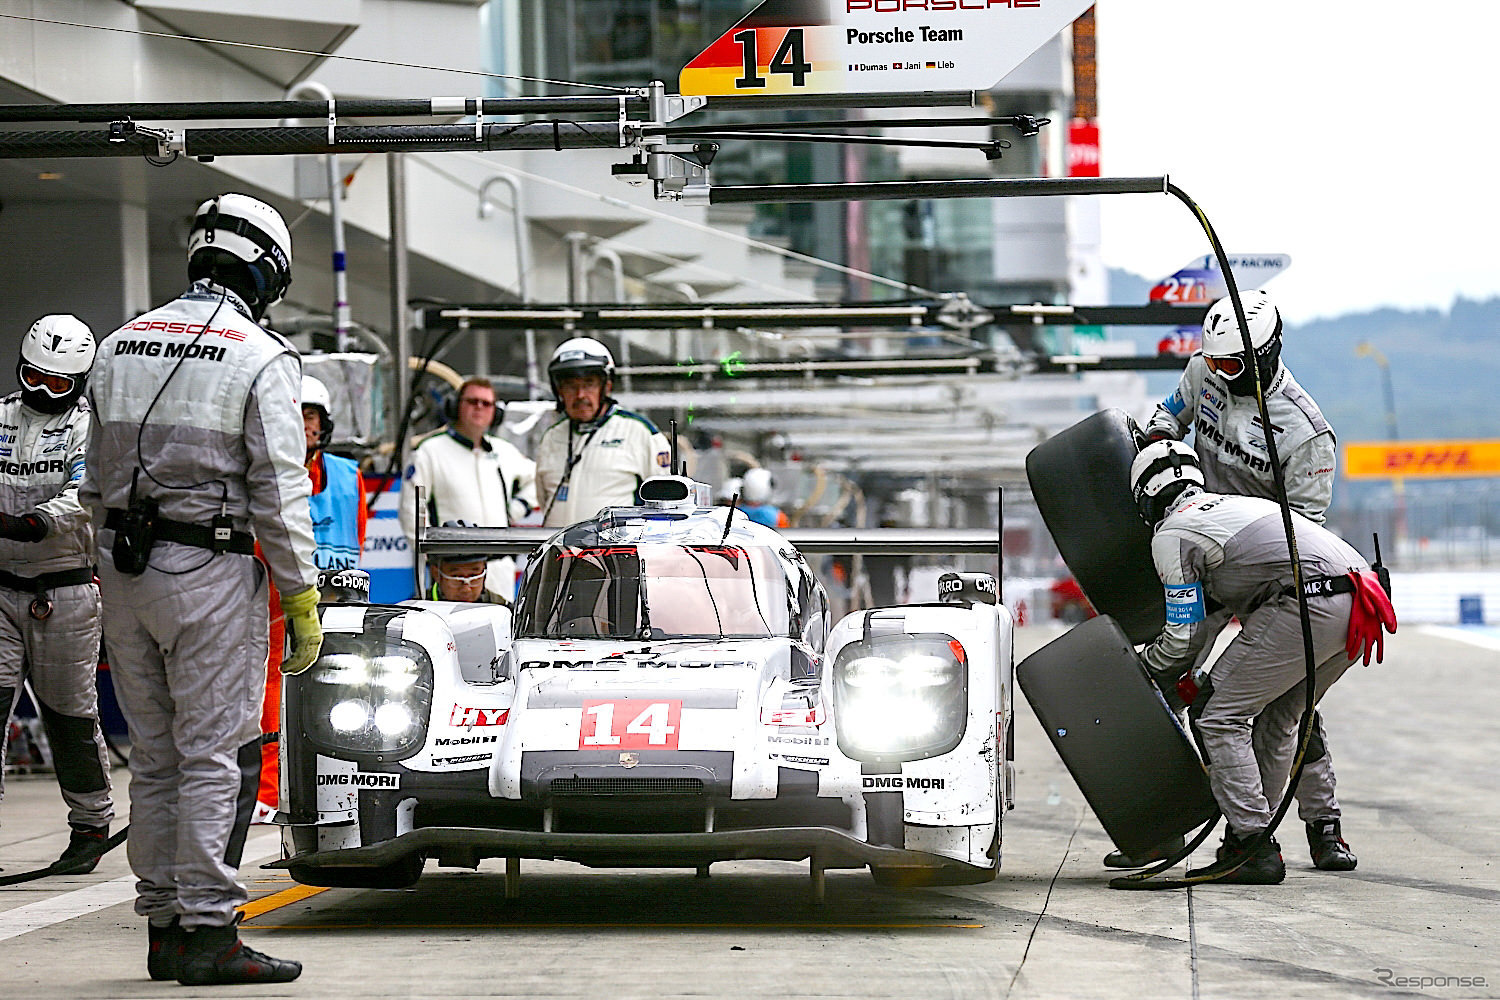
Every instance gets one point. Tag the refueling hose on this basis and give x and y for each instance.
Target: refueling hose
(1147, 879)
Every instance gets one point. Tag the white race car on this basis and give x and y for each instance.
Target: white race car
(667, 693)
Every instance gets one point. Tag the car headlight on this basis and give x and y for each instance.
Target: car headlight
(900, 697)
(368, 696)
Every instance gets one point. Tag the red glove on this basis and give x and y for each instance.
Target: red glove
(1371, 612)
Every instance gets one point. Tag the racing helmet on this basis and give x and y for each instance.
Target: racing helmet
(315, 394)
(1160, 474)
(580, 356)
(1224, 348)
(236, 233)
(56, 356)
(757, 487)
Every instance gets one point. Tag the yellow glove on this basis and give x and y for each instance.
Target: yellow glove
(303, 630)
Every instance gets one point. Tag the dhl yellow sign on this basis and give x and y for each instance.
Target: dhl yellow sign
(1422, 459)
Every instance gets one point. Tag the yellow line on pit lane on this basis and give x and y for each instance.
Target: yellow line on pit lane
(609, 926)
(277, 900)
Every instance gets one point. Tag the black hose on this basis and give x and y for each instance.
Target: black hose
(68, 867)
(1146, 879)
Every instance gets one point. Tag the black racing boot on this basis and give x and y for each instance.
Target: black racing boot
(84, 849)
(215, 956)
(1330, 851)
(1264, 867)
(164, 956)
(1161, 852)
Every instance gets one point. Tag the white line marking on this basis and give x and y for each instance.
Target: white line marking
(67, 905)
(1484, 638)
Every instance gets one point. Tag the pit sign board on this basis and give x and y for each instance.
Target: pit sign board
(1200, 281)
(874, 46)
(1422, 459)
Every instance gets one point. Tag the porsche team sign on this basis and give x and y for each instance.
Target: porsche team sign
(873, 46)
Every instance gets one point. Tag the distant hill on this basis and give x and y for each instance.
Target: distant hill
(1445, 365)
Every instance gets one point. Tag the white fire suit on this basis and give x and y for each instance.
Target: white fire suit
(41, 465)
(1233, 549)
(197, 407)
(583, 468)
(490, 484)
(1231, 444)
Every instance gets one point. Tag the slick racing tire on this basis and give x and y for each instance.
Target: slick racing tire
(1080, 478)
(396, 875)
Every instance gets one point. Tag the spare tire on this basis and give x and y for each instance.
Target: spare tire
(1081, 480)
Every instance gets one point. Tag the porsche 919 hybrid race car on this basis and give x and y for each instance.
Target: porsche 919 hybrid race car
(667, 692)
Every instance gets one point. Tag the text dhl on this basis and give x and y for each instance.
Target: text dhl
(1433, 459)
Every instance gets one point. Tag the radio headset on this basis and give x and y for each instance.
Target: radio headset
(136, 533)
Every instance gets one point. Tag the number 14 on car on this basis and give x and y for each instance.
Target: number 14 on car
(630, 725)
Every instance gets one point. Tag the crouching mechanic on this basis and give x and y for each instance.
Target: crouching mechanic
(195, 455)
(49, 603)
(1215, 399)
(599, 453)
(1232, 549)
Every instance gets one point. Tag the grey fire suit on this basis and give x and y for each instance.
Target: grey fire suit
(1231, 444)
(41, 465)
(1233, 549)
(196, 406)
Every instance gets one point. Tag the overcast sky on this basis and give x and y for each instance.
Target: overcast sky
(1359, 137)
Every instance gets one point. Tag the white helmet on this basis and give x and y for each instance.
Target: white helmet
(56, 356)
(251, 232)
(1160, 473)
(731, 488)
(757, 487)
(580, 355)
(315, 394)
(1224, 348)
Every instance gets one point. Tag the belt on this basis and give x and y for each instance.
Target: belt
(200, 536)
(1323, 586)
(47, 581)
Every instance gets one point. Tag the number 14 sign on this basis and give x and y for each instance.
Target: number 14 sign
(875, 46)
(636, 724)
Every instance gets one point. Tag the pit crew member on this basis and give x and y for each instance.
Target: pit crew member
(461, 576)
(195, 454)
(1232, 549)
(338, 520)
(49, 602)
(599, 453)
(471, 475)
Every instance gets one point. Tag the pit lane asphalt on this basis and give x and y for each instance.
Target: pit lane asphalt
(1415, 746)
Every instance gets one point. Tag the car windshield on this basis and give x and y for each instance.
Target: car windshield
(655, 591)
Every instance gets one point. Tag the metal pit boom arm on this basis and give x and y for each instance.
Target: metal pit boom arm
(809, 541)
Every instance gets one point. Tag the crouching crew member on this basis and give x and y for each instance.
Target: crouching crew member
(1232, 549)
(49, 603)
(195, 455)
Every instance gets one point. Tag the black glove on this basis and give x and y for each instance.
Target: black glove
(1154, 436)
(26, 528)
